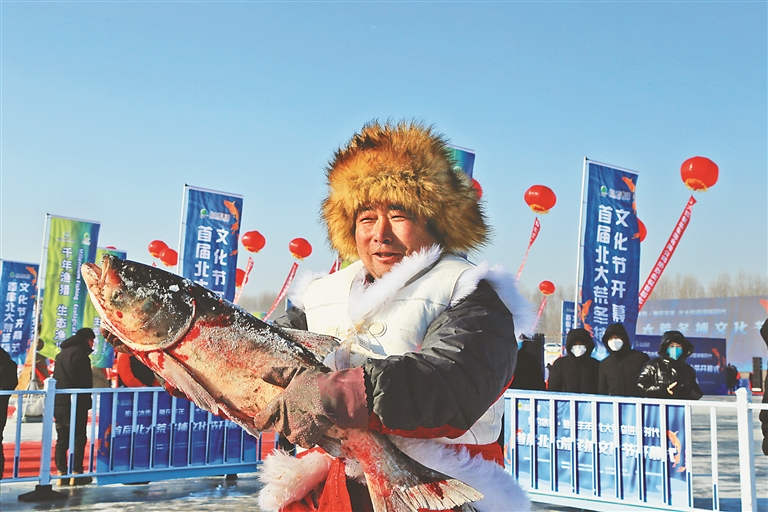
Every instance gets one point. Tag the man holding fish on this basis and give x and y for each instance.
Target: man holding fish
(428, 339)
(394, 365)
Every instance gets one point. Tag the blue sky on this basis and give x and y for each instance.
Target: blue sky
(109, 108)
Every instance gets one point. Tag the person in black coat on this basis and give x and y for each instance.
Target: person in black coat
(575, 372)
(669, 376)
(528, 372)
(73, 370)
(8, 382)
(617, 374)
(764, 414)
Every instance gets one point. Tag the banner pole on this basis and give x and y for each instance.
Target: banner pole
(182, 230)
(580, 246)
(39, 299)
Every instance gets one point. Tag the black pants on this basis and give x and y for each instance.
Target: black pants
(61, 415)
(3, 418)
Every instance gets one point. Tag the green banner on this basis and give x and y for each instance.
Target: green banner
(103, 355)
(71, 243)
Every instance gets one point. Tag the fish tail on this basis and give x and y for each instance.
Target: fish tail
(433, 491)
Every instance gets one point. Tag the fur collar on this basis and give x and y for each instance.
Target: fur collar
(364, 299)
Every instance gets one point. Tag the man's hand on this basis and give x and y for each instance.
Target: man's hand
(297, 413)
(113, 340)
(313, 402)
(671, 387)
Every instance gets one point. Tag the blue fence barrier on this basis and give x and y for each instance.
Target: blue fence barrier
(590, 452)
(136, 435)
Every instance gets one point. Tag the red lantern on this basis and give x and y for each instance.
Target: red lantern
(239, 277)
(540, 198)
(477, 187)
(300, 248)
(641, 231)
(169, 257)
(547, 288)
(156, 247)
(699, 173)
(253, 241)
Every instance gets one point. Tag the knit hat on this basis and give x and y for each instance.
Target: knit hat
(405, 164)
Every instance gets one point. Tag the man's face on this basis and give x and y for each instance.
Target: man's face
(385, 234)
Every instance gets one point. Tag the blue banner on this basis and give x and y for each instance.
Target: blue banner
(618, 451)
(18, 286)
(465, 159)
(136, 433)
(611, 250)
(209, 239)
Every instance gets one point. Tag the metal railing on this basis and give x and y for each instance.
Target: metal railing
(598, 452)
(582, 451)
(134, 435)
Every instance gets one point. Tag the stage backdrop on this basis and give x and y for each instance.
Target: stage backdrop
(737, 319)
(708, 359)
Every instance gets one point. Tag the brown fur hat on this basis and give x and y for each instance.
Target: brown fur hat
(407, 164)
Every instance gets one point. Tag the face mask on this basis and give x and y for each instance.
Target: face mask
(519, 345)
(615, 344)
(675, 352)
(578, 350)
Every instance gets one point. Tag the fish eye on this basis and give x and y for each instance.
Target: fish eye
(117, 296)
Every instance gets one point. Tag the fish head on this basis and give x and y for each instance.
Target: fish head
(146, 307)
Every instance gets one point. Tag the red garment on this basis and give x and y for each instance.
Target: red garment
(342, 495)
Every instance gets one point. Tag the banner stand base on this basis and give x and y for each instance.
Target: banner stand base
(42, 493)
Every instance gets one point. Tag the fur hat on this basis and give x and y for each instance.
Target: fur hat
(407, 164)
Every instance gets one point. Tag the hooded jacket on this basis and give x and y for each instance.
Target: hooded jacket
(662, 371)
(764, 414)
(573, 374)
(617, 374)
(73, 368)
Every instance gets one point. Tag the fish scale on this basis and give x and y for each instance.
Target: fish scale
(215, 353)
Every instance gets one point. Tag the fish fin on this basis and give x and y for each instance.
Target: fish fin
(437, 494)
(320, 345)
(182, 380)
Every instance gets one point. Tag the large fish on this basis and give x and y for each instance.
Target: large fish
(216, 353)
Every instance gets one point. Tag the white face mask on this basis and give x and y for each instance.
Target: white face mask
(615, 344)
(578, 350)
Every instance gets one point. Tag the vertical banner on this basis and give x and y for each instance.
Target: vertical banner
(563, 446)
(209, 239)
(585, 449)
(606, 450)
(567, 318)
(69, 244)
(543, 438)
(630, 456)
(524, 441)
(103, 355)
(465, 159)
(653, 454)
(18, 286)
(679, 449)
(611, 250)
